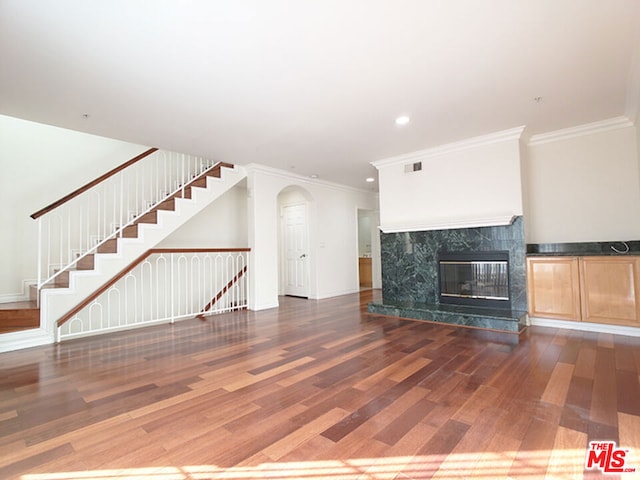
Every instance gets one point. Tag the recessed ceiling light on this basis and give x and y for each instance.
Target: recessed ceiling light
(370, 180)
(402, 120)
(85, 115)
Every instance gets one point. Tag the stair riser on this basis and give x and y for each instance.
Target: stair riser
(110, 246)
(216, 172)
(85, 263)
(169, 204)
(150, 217)
(200, 182)
(62, 280)
(130, 232)
(20, 319)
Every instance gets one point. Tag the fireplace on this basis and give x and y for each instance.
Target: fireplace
(411, 276)
(479, 279)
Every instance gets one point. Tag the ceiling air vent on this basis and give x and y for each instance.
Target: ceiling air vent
(413, 167)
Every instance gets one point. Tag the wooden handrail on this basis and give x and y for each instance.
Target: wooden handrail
(67, 316)
(92, 184)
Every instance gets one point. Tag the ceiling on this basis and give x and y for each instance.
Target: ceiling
(314, 87)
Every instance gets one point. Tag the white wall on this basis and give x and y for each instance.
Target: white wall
(332, 232)
(638, 142)
(585, 188)
(476, 182)
(223, 224)
(526, 208)
(573, 188)
(38, 165)
(376, 267)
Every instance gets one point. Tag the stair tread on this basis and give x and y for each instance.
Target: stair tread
(25, 305)
(12, 329)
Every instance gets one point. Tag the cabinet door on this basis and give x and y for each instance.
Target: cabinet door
(365, 272)
(553, 287)
(610, 290)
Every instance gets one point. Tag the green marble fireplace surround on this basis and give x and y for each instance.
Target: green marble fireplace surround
(410, 275)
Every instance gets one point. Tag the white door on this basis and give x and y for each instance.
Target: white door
(295, 254)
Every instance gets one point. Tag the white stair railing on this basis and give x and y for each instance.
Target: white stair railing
(165, 286)
(80, 223)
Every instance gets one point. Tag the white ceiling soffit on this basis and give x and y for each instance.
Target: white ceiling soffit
(314, 87)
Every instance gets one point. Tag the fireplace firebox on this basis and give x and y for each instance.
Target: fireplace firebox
(479, 279)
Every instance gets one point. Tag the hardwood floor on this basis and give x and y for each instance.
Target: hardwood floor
(318, 389)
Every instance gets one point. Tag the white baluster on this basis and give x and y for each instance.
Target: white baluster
(39, 281)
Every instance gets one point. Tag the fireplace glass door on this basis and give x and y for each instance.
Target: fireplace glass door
(474, 278)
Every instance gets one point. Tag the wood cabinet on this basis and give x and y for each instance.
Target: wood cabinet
(366, 277)
(598, 289)
(554, 287)
(610, 290)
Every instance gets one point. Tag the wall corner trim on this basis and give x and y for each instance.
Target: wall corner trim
(491, 138)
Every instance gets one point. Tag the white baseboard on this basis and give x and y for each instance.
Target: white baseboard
(264, 306)
(336, 293)
(122, 328)
(25, 339)
(12, 297)
(586, 326)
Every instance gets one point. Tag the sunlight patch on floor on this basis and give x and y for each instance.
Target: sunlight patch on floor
(559, 464)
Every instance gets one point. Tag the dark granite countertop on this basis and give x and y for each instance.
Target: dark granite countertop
(627, 247)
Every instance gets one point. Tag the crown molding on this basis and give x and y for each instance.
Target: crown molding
(581, 130)
(275, 172)
(489, 139)
(501, 220)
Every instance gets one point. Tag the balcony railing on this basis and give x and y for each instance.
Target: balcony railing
(164, 286)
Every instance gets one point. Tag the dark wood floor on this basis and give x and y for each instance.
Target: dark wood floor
(317, 389)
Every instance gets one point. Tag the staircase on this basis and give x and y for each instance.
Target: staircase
(22, 324)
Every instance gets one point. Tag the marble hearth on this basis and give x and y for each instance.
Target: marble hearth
(410, 275)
